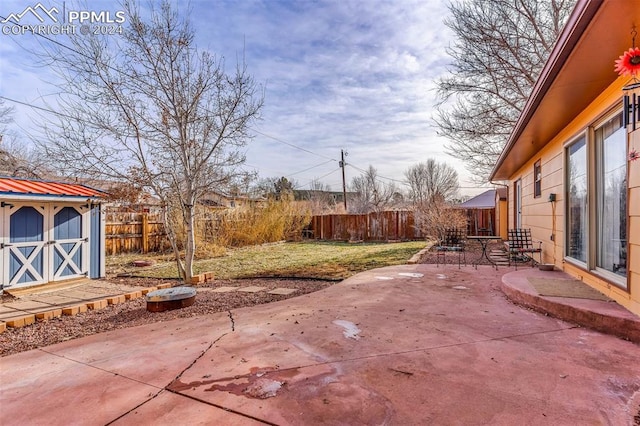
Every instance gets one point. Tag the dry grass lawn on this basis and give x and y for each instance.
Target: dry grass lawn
(320, 260)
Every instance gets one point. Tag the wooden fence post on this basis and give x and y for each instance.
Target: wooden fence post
(145, 233)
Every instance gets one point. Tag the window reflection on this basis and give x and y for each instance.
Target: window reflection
(611, 251)
(577, 201)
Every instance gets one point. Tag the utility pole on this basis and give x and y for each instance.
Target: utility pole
(344, 182)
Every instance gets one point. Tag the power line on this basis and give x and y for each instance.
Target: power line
(292, 145)
(310, 168)
(404, 182)
(324, 176)
(41, 108)
(122, 72)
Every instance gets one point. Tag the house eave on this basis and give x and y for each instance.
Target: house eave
(571, 79)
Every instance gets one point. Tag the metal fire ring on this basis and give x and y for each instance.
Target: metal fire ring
(167, 299)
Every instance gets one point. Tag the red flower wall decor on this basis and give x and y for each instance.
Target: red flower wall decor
(629, 62)
(634, 155)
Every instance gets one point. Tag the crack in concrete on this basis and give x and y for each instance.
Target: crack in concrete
(177, 378)
(166, 387)
(212, 404)
(221, 407)
(195, 360)
(233, 323)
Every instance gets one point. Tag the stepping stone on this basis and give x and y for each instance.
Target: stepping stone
(30, 306)
(58, 300)
(6, 314)
(224, 289)
(252, 289)
(4, 309)
(282, 291)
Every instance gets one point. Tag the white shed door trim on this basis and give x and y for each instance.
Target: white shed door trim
(24, 252)
(36, 250)
(68, 245)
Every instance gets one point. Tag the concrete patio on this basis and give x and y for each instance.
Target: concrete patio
(410, 344)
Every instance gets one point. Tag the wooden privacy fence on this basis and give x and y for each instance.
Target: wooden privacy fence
(134, 232)
(144, 232)
(383, 226)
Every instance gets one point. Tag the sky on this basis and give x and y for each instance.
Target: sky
(352, 75)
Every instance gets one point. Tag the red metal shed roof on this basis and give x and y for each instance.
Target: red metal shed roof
(17, 186)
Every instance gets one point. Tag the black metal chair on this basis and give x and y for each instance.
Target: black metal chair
(452, 241)
(521, 247)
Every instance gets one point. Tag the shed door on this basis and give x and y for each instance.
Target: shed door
(69, 242)
(24, 252)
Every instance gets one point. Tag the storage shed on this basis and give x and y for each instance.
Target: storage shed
(49, 231)
(481, 213)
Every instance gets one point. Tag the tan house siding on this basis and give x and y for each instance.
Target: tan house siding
(537, 213)
(579, 95)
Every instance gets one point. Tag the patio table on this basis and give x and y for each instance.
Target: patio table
(484, 240)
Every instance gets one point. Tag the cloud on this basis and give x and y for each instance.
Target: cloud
(340, 74)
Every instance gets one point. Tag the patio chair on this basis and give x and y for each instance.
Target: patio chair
(453, 241)
(521, 247)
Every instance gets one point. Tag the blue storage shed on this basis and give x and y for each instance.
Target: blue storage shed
(49, 232)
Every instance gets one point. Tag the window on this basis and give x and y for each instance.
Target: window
(596, 200)
(611, 196)
(576, 170)
(537, 179)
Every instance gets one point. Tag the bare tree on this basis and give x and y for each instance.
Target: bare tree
(320, 198)
(16, 159)
(431, 179)
(149, 108)
(370, 193)
(433, 219)
(500, 49)
(6, 117)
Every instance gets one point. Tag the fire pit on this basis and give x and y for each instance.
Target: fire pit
(167, 299)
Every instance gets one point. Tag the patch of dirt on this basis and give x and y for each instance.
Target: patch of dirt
(134, 312)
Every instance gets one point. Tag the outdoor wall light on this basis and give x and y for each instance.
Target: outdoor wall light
(631, 106)
(628, 64)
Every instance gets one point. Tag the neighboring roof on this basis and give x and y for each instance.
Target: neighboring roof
(579, 68)
(30, 187)
(486, 200)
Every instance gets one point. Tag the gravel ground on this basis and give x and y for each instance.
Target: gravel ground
(133, 313)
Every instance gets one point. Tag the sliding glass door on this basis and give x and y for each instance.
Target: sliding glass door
(611, 190)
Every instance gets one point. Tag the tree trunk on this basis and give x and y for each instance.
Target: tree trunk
(190, 248)
(169, 229)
